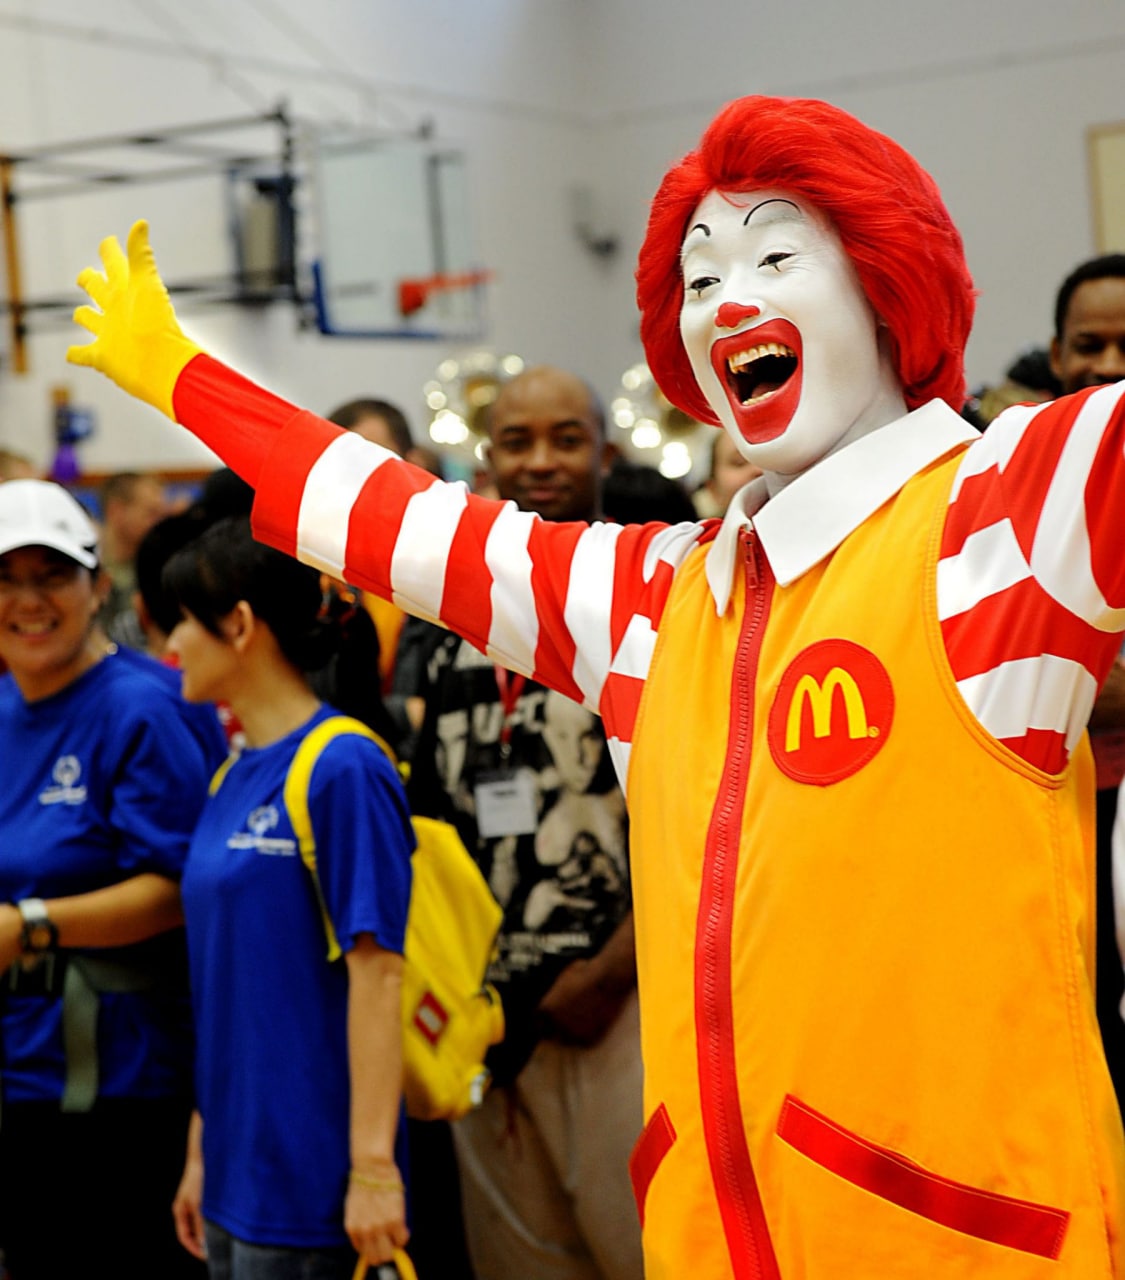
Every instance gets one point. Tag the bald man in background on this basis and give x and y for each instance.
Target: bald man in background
(526, 777)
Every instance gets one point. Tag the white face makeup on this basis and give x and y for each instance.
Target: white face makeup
(780, 336)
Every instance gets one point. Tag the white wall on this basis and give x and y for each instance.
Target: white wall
(499, 76)
(993, 97)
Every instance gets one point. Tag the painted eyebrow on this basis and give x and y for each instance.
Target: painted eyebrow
(702, 226)
(762, 205)
(691, 241)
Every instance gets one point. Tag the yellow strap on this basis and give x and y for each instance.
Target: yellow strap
(402, 1263)
(221, 772)
(297, 797)
(297, 800)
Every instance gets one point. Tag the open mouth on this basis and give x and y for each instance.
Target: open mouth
(758, 371)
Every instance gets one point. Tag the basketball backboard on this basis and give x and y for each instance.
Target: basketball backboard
(394, 249)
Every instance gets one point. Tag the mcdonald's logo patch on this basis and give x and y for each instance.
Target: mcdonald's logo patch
(831, 714)
(430, 1017)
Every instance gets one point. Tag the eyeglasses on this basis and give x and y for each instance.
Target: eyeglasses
(54, 578)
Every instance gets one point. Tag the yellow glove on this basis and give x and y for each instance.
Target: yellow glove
(138, 342)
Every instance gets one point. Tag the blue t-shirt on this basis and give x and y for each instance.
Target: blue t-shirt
(200, 718)
(271, 1012)
(101, 781)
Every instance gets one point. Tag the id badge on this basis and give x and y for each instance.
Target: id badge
(506, 806)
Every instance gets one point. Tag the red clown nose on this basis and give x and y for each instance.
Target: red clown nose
(731, 314)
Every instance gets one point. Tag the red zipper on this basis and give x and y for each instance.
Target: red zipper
(740, 1204)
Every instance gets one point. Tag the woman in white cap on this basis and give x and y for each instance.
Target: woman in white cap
(102, 785)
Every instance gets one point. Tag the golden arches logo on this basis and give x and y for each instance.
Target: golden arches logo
(851, 706)
(820, 695)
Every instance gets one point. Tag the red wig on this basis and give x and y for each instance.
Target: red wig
(886, 208)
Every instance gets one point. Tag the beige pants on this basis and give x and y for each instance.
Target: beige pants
(544, 1164)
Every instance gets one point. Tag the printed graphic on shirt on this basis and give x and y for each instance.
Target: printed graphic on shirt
(831, 714)
(259, 823)
(564, 885)
(64, 788)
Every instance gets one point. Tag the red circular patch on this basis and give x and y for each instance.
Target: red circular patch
(831, 714)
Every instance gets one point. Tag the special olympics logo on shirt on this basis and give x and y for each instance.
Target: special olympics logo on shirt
(831, 714)
(259, 823)
(67, 771)
(263, 819)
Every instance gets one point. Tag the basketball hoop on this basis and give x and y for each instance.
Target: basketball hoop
(414, 294)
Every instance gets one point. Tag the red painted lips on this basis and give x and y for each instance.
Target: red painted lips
(759, 416)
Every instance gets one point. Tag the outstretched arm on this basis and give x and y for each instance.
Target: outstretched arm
(573, 605)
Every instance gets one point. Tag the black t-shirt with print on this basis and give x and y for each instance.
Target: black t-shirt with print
(564, 887)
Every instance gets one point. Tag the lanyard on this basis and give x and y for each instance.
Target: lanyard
(510, 686)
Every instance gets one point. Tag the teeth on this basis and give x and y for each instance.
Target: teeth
(33, 628)
(741, 359)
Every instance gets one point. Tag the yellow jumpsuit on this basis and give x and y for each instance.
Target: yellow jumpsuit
(884, 1059)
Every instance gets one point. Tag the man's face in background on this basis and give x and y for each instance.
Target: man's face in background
(546, 446)
(1090, 352)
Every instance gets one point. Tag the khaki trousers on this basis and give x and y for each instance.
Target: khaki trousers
(544, 1164)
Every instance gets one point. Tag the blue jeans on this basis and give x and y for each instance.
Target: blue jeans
(231, 1259)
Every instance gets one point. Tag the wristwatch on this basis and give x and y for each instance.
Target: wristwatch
(39, 934)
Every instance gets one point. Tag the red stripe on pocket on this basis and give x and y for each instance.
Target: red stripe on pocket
(652, 1146)
(1018, 1224)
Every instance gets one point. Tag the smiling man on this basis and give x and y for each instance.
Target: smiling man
(846, 716)
(1088, 348)
(547, 446)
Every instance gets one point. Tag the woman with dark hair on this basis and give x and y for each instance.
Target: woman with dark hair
(294, 1161)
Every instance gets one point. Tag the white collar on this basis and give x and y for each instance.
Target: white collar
(814, 513)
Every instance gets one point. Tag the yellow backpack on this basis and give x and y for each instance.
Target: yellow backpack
(450, 1015)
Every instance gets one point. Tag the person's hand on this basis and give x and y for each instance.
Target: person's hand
(187, 1207)
(138, 342)
(582, 1003)
(375, 1214)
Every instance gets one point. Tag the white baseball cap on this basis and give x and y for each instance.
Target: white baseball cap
(37, 513)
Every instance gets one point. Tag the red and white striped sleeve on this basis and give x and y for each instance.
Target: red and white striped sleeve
(573, 605)
(1031, 576)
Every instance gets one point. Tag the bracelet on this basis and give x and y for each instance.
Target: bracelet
(375, 1184)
